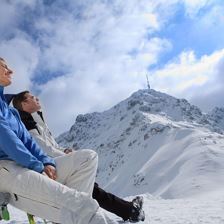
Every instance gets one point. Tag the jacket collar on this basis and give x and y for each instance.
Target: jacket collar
(41, 115)
(9, 98)
(28, 120)
(1, 90)
(2, 93)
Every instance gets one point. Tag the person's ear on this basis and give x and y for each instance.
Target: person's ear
(23, 105)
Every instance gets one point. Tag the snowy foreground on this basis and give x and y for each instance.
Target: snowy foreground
(203, 210)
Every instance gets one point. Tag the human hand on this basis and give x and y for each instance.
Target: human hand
(50, 171)
(67, 151)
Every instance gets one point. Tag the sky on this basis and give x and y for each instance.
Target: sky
(81, 56)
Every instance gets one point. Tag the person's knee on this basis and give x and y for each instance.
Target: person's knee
(90, 154)
(86, 155)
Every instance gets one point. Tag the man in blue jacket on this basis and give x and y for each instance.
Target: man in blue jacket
(39, 184)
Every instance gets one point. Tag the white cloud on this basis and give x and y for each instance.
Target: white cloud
(22, 57)
(9, 13)
(103, 50)
(7, 16)
(193, 78)
(194, 6)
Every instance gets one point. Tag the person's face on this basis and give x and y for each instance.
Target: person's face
(31, 104)
(5, 74)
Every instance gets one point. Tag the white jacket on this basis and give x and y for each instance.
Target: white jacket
(44, 138)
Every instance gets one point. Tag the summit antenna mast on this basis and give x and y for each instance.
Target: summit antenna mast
(147, 78)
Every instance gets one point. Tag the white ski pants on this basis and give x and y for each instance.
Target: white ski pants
(67, 200)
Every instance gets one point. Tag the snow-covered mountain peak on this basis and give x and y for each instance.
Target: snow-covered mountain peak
(153, 143)
(155, 102)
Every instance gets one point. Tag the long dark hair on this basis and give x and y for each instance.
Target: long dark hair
(18, 99)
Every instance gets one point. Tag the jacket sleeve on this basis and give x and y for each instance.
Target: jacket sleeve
(17, 149)
(48, 148)
(35, 149)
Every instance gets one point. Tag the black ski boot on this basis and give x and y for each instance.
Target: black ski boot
(137, 213)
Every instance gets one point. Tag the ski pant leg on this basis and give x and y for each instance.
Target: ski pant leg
(35, 190)
(112, 203)
(101, 217)
(78, 170)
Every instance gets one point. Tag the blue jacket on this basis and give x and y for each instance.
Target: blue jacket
(16, 142)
